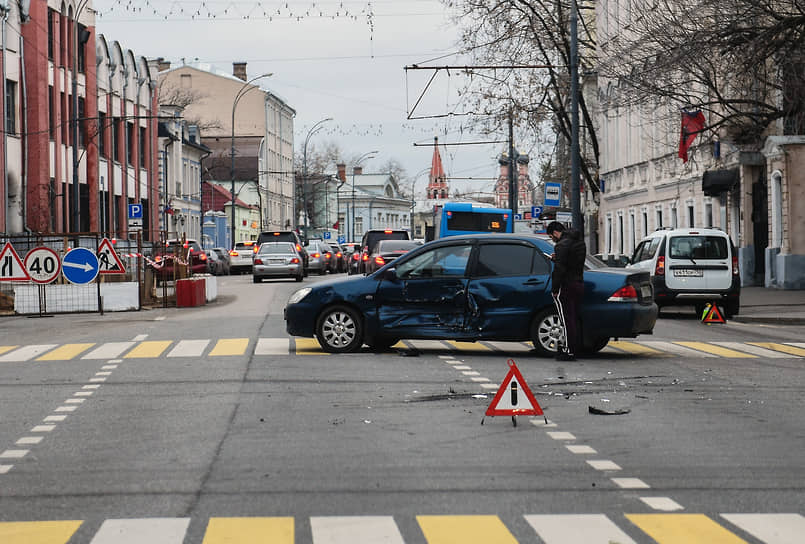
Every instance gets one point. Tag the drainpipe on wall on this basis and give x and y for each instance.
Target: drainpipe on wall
(4, 9)
(24, 136)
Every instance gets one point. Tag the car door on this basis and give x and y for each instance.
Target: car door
(508, 282)
(427, 298)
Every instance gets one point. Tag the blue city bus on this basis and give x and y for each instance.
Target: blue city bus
(468, 218)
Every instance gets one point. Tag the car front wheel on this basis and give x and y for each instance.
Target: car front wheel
(547, 332)
(339, 330)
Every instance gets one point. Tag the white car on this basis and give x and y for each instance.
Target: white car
(241, 257)
(691, 267)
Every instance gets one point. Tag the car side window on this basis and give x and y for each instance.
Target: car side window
(638, 252)
(504, 260)
(439, 262)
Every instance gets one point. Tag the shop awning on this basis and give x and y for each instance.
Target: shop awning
(715, 182)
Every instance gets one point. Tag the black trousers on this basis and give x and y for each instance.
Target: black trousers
(568, 304)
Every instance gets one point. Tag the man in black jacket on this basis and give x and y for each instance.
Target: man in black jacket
(567, 284)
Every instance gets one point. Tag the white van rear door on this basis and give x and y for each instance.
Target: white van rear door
(699, 262)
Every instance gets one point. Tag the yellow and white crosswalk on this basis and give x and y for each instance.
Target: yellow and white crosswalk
(691, 528)
(227, 347)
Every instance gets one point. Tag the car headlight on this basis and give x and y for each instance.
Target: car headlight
(299, 295)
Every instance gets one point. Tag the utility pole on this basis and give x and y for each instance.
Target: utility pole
(575, 198)
(512, 166)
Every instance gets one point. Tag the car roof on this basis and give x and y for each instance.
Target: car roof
(686, 230)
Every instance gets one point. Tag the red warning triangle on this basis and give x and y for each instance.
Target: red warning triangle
(108, 261)
(514, 398)
(713, 315)
(11, 267)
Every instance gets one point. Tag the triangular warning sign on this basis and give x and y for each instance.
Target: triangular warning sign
(108, 261)
(11, 267)
(713, 315)
(514, 398)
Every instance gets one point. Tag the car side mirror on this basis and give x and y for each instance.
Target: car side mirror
(390, 274)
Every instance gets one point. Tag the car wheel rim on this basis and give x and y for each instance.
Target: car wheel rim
(338, 329)
(550, 332)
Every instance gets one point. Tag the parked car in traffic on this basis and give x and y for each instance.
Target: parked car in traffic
(215, 265)
(179, 259)
(470, 288)
(286, 236)
(691, 267)
(613, 259)
(320, 257)
(224, 255)
(277, 260)
(352, 252)
(340, 257)
(241, 256)
(388, 250)
(370, 239)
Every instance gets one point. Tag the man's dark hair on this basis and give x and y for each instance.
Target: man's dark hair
(554, 226)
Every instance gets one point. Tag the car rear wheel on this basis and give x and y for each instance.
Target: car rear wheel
(547, 332)
(339, 330)
(300, 277)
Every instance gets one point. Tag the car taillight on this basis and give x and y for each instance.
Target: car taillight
(355, 256)
(203, 256)
(624, 294)
(294, 261)
(387, 231)
(659, 270)
(233, 253)
(364, 257)
(258, 260)
(379, 261)
(255, 249)
(327, 255)
(298, 247)
(735, 270)
(316, 255)
(159, 258)
(339, 254)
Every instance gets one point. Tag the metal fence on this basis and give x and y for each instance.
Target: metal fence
(35, 277)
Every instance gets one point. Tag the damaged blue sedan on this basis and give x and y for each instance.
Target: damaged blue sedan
(470, 288)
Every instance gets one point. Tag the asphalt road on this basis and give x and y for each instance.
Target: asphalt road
(186, 418)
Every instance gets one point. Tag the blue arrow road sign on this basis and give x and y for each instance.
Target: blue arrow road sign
(135, 211)
(79, 265)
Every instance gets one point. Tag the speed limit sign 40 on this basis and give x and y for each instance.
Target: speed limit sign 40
(43, 264)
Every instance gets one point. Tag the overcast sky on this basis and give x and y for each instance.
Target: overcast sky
(329, 58)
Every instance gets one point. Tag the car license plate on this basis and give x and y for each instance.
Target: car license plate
(276, 261)
(688, 273)
(645, 291)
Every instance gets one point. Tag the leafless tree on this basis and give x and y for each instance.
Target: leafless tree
(171, 95)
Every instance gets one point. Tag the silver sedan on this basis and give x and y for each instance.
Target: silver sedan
(277, 260)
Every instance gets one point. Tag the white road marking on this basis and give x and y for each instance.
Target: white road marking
(578, 529)
(28, 440)
(65, 409)
(480, 379)
(666, 504)
(561, 435)
(109, 350)
(770, 528)
(603, 464)
(675, 349)
(471, 373)
(91, 386)
(580, 450)
(272, 346)
(489, 385)
(429, 345)
(115, 361)
(97, 379)
(83, 393)
(14, 454)
(630, 483)
(796, 344)
(26, 353)
(541, 423)
(445, 356)
(109, 367)
(462, 367)
(52, 419)
(74, 401)
(43, 428)
(140, 531)
(754, 350)
(5, 468)
(160, 318)
(195, 348)
(103, 373)
(139, 338)
(355, 529)
(521, 347)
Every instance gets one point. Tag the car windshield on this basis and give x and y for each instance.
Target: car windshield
(244, 245)
(277, 249)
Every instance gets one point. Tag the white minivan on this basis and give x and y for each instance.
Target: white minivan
(691, 267)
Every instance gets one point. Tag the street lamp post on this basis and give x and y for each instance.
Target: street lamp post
(75, 194)
(315, 128)
(240, 94)
(369, 155)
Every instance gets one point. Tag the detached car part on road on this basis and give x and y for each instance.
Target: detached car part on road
(470, 288)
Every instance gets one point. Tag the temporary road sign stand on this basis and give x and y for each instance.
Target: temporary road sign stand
(712, 314)
(519, 401)
(11, 267)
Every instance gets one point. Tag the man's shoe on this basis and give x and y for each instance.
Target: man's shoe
(562, 356)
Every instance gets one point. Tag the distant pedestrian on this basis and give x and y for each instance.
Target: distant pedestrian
(567, 285)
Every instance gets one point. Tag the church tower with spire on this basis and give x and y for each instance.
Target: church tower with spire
(437, 181)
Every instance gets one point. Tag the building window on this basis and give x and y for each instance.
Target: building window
(116, 138)
(81, 57)
(51, 116)
(620, 234)
(101, 134)
(82, 123)
(11, 107)
(659, 218)
(50, 34)
(645, 223)
(674, 221)
(143, 147)
(691, 217)
(129, 143)
(708, 215)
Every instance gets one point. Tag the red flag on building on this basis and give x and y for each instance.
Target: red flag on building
(692, 124)
(335, 225)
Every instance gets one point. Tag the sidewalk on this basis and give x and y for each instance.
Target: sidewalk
(772, 306)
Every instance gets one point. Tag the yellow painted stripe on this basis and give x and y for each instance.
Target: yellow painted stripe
(634, 347)
(717, 350)
(4, 349)
(683, 529)
(65, 352)
(249, 531)
(230, 346)
(792, 350)
(148, 349)
(464, 529)
(37, 532)
(308, 346)
(468, 346)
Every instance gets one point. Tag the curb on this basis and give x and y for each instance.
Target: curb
(771, 320)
